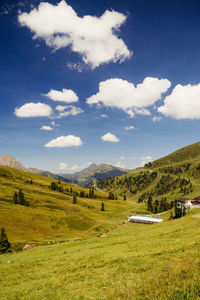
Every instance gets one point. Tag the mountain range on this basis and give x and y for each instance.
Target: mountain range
(93, 174)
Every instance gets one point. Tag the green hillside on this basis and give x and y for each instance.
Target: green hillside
(134, 261)
(188, 153)
(51, 215)
(173, 176)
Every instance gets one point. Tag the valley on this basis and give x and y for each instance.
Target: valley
(77, 246)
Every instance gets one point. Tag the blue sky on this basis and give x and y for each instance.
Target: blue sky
(121, 89)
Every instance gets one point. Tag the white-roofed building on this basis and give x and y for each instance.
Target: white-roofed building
(144, 219)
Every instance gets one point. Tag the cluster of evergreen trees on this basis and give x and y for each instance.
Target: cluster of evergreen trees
(180, 209)
(56, 186)
(159, 206)
(133, 184)
(29, 181)
(176, 170)
(19, 198)
(111, 196)
(168, 183)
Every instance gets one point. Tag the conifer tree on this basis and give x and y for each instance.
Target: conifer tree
(124, 197)
(21, 197)
(149, 203)
(15, 198)
(102, 206)
(4, 243)
(74, 199)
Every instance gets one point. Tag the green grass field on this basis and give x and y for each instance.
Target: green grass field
(83, 253)
(134, 261)
(51, 215)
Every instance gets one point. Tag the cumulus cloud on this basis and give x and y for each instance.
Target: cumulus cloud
(61, 107)
(67, 96)
(45, 127)
(65, 141)
(182, 103)
(74, 168)
(145, 160)
(109, 137)
(94, 38)
(122, 157)
(68, 110)
(31, 109)
(156, 119)
(129, 127)
(62, 166)
(120, 165)
(122, 94)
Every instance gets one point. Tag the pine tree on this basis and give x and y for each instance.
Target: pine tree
(4, 243)
(102, 206)
(149, 203)
(15, 198)
(21, 197)
(124, 197)
(74, 199)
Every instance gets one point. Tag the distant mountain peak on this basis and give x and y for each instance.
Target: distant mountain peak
(94, 173)
(8, 160)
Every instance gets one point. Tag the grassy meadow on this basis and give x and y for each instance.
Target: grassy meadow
(132, 261)
(82, 252)
(52, 216)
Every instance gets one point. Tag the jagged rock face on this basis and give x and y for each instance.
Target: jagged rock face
(9, 161)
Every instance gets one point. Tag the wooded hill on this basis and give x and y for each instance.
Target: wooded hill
(173, 176)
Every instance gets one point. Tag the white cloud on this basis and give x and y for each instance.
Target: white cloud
(67, 96)
(129, 127)
(62, 166)
(183, 103)
(156, 119)
(122, 157)
(75, 66)
(109, 137)
(120, 165)
(75, 168)
(121, 94)
(31, 109)
(145, 160)
(94, 38)
(104, 116)
(65, 141)
(68, 110)
(48, 128)
(61, 107)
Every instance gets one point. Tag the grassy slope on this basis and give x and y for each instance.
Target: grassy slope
(134, 261)
(52, 215)
(189, 154)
